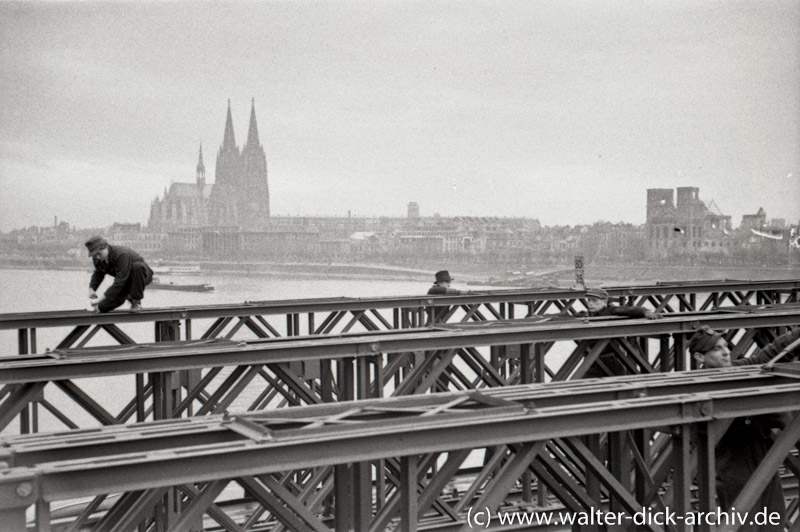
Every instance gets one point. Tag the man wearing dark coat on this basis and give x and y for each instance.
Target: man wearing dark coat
(442, 285)
(607, 363)
(747, 440)
(597, 301)
(131, 274)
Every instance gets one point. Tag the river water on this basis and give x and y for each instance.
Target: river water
(42, 290)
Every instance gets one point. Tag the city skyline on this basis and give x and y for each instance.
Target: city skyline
(566, 113)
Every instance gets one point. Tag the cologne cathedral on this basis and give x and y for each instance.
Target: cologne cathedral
(239, 196)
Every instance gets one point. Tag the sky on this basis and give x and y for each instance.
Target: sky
(566, 111)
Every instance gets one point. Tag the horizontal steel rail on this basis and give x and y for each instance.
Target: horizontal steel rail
(354, 442)
(530, 425)
(95, 362)
(31, 449)
(733, 292)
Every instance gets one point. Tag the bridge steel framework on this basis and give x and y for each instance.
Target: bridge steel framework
(471, 353)
(400, 363)
(167, 380)
(324, 316)
(401, 463)
(333, 316)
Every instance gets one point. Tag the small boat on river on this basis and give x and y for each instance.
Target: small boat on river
(158, 284)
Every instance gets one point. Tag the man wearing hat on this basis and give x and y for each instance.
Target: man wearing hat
(442, 285)
(131, 274)
(608, 363)
(746, 442)
(597, 301)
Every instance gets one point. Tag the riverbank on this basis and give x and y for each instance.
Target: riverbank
(539, 275)
(320, 271)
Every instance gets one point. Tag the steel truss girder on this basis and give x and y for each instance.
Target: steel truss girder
(174, 357)
(408, 311)
(620, 345)
(737, 292)
(691, 396)
(450, 376)
(205, 394)
(680, 409)
(294, 387)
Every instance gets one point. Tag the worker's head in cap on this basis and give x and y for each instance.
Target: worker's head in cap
(710, 348)
(98, 247)
(443, 278)
(596, 299)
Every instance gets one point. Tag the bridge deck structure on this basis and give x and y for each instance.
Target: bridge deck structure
(70, 387)
(622, 444)
(364, 352)
(323, 316)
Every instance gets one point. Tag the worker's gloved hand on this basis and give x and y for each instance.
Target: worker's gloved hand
(92, 293)
(652, 315)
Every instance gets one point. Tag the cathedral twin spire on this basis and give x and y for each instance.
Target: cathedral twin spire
(241, 192)
(252, 132)
(229, 139)
(238, 197)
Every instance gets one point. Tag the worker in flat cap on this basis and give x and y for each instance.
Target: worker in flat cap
(598, 305)
(130, 272)
(746, 442)
(608, 362)
(442, 285)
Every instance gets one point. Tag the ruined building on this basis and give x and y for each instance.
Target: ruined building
(688, 226)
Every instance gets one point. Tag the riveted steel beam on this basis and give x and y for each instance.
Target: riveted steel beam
(383, 428)
(157, 358)
(718, 292)
(350, 442)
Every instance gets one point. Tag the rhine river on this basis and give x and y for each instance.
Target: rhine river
(42, 290)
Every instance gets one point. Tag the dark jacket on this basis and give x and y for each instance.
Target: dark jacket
(119, 263)
(610, 310)
(437, 290)
(439, 313)
(747, 441)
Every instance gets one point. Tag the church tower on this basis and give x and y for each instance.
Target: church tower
(255, 187)
(240, 195)
(201, 170)
(224, 208)
(228, 155)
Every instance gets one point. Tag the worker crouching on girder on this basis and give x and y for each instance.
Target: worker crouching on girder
(746, 442)
(131, 274)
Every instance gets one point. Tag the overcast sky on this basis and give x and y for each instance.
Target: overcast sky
(565, 111)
